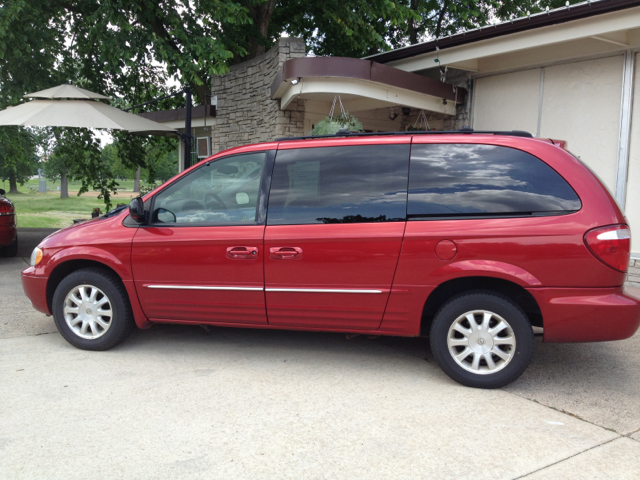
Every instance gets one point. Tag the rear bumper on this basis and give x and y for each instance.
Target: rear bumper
(7, 233)
(587, 314)
(35, 288)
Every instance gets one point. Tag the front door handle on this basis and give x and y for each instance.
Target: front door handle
(242, 252)
(285, 253)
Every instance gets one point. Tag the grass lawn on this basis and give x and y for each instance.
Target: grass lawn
(52, 186)
(48, 210)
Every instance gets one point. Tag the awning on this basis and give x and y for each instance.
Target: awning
(362, 85)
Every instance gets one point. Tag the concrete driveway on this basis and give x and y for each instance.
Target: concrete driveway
(181, 402)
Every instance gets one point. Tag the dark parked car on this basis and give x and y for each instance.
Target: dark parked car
(468, 238)
(8, 229)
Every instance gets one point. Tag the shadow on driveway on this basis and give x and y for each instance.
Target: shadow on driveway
(29, 238)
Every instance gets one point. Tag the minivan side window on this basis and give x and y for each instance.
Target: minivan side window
(350, 184)
(221, 192)
(453, 180)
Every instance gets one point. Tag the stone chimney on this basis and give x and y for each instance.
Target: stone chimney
(245, 112)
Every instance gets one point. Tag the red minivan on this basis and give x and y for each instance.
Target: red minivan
(470, 238)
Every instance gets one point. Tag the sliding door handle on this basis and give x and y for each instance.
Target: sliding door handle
(285, 253)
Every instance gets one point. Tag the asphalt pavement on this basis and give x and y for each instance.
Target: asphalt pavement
(184, 402)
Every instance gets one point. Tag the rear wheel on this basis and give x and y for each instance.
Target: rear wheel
(10, 250)
(482, 339)
(91, 309)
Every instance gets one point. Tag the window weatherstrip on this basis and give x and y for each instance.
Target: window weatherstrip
(198, 287)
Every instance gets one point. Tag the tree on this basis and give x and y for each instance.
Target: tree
(77, 156)
(131, 49)
(359, 28)
(161, 160)
(18, 159)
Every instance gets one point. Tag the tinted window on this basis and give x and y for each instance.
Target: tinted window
(457, 179)
(355, 184)
(222, 192)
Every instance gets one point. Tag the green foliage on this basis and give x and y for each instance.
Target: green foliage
(32, 48)
(157, 156)
(18, 159)
(163, 159)
(357, 28)
(343, 28)
(148, 187)
(330, 126)
(78, 154)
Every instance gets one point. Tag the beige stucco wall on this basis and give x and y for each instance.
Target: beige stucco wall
(507, 102)
(632, 204)
(581, 105)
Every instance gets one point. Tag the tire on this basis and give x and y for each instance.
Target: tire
(494, 358)
(10, 250)
(99, 324)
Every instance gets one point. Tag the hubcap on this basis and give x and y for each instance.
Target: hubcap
(481, 342)
(87, 311)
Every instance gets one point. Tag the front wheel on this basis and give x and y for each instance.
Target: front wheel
(91, 309)
(482, 340)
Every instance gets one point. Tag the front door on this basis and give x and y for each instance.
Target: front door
(334, 231)
(200, 259)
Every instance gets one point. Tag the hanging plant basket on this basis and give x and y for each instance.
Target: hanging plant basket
(331, 124)
(421, 124)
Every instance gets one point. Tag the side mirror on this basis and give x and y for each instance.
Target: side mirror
(136, 210)
(2, 192)
(163, 215)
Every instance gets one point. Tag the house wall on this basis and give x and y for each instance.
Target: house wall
(581, 103)
(507, 102)
(633, 180)
(245, 112)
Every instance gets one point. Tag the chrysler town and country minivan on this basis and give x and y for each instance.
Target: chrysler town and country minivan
(469, 238)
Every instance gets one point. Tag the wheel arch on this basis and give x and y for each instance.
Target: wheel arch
(69, 266)
(453, 287)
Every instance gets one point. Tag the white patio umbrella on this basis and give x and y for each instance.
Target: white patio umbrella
(71, 106)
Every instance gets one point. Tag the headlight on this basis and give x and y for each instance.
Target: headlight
(36, 256)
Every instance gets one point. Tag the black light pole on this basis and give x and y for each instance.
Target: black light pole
(187, 130)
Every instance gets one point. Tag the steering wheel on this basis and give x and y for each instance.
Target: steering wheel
(214, 196)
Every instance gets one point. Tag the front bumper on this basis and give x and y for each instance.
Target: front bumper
(35, 288)
(587, 314)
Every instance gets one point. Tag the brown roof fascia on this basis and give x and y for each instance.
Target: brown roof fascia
(161, 116)
(567, 14)
(344, 67)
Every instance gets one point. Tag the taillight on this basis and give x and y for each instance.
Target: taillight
(6, 208)
(611, 245)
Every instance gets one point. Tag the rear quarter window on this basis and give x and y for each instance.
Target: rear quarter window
(466, 180)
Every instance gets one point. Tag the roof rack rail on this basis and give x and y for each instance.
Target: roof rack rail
(462, 131)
